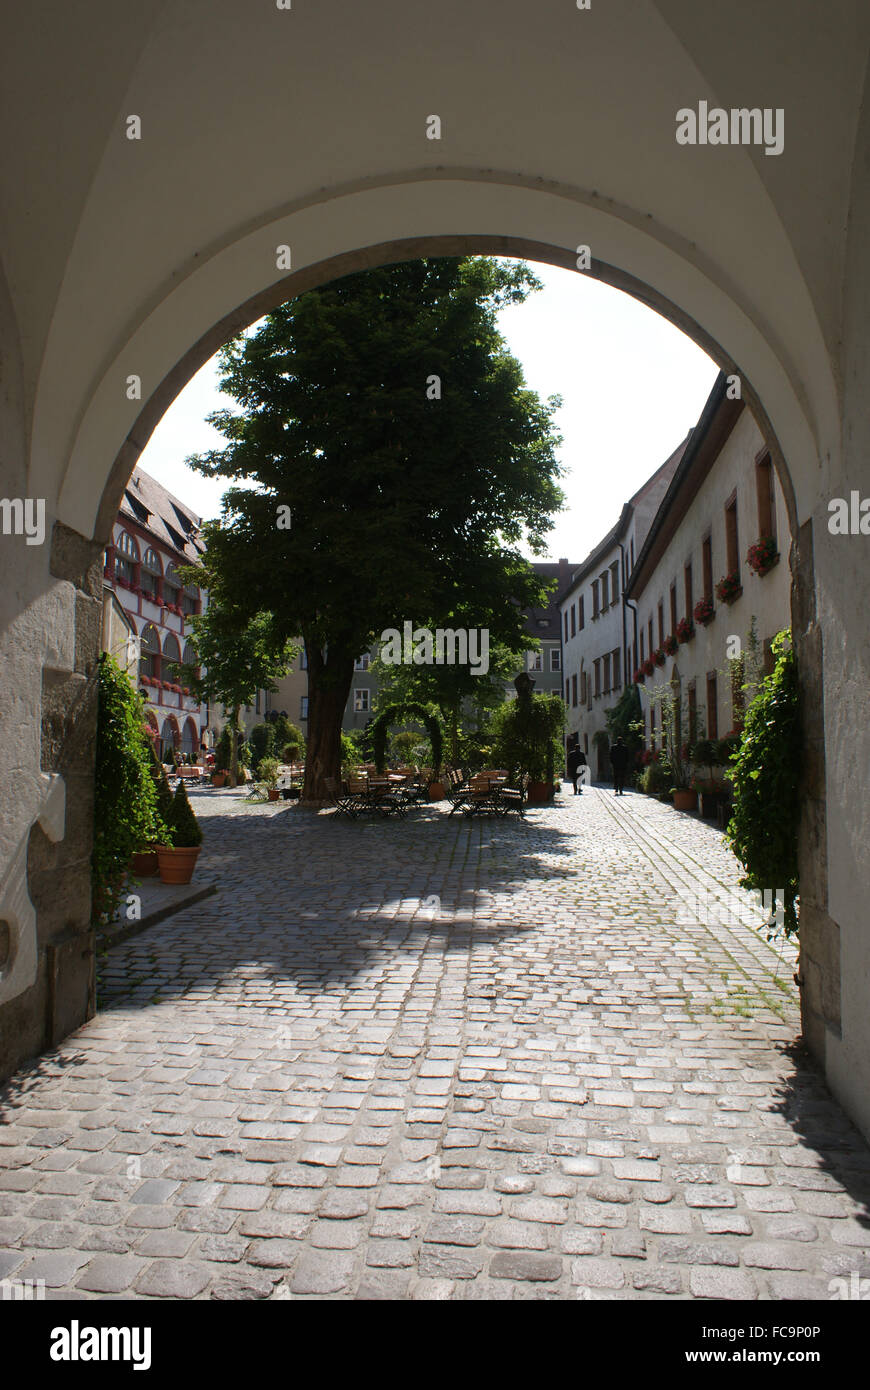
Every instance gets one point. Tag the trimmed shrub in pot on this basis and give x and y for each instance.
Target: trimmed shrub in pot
(178, 860)
(269, 769)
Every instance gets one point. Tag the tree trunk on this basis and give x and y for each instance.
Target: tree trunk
(454, 736)
(233, 777)
(328, 688)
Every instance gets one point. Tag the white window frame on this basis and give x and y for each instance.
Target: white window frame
(361, 700)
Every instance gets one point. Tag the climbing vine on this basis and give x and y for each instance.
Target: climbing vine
(394, 714)
(126, 815)
(764, 771)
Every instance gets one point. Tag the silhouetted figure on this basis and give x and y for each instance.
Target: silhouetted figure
(619, 762)
(576, 761)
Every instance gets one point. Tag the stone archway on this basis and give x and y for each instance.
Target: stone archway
(731, 255)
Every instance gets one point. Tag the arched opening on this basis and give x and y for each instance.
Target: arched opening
(170, 737)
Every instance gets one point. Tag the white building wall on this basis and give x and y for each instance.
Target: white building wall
(765, 598)
(597, 640)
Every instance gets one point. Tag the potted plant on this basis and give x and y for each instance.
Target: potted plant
(269, 770)
(676, 753)
(685, 630)
(671, 645)
(763, 555)
(729, 588)
(649, 666)
(221, 758)
(638, 676)
(659, 656)
(704, 612)
(143, 862)
(177, 861)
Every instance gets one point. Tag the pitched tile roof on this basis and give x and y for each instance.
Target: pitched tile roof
(167, 518)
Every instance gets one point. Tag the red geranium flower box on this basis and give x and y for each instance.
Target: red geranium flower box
(671, 645)
(649, 666)
(704, 611)
(660, 657)
(728, 588)
(685, 630)
(763, 555)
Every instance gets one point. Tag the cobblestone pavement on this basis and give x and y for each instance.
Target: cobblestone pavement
(317, 1085)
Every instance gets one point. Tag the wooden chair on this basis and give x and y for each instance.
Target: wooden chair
(340, 798)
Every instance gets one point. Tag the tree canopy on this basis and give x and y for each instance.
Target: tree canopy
(389, 462)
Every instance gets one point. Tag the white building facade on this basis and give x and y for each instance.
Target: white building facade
(153, 535)
(698, 596)
(598, 625)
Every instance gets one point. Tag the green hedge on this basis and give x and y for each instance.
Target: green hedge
(126, 812)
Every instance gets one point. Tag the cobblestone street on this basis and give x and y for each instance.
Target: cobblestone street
(542, 1084)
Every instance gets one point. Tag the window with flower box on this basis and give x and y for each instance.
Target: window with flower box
(149, 653)
(171, 588)
(126, 561)
(151, 574)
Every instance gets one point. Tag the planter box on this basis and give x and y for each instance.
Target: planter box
(540, 791)
(143, 864)
(273, 794)
(685, 800)
(218, 779)
(177, 864)
(436, 791)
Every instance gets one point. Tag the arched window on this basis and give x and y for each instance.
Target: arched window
(171, 656)
(171, 585)
(169, 738)
(189, 737)
(149, 659)
(190, 657)
(190, 599)
(150, 575)
(126, 560)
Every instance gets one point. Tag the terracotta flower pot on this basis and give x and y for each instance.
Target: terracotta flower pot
(143, 864)
(436, 791)
(685, 799)
(273, 794)
(177, 864)
(540, 791)
(218, 779)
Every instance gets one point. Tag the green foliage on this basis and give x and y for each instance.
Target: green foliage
(126, 812)
(223, 750)
(161, 785)
(262, 744)
(405, 744)
(402, 507)
(289, 739)
(704, 752)
(350, 753)
(184, 828)
(268, 773)
(527, 735)
(656, 778)
(763, 830)
(625, 720)
(401, 713)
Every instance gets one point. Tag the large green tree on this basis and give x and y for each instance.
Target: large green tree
(394, 462)
(462, 697)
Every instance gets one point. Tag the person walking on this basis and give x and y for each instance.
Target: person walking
(618, 761)
(576, 761)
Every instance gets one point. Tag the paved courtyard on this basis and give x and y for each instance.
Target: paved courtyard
(438, 1059)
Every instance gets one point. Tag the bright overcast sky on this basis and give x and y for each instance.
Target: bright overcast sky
(632, 387)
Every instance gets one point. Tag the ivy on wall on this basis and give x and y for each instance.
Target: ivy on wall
(126, 815)
(765, 773)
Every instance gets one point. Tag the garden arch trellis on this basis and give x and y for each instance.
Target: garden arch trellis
(402, 711)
